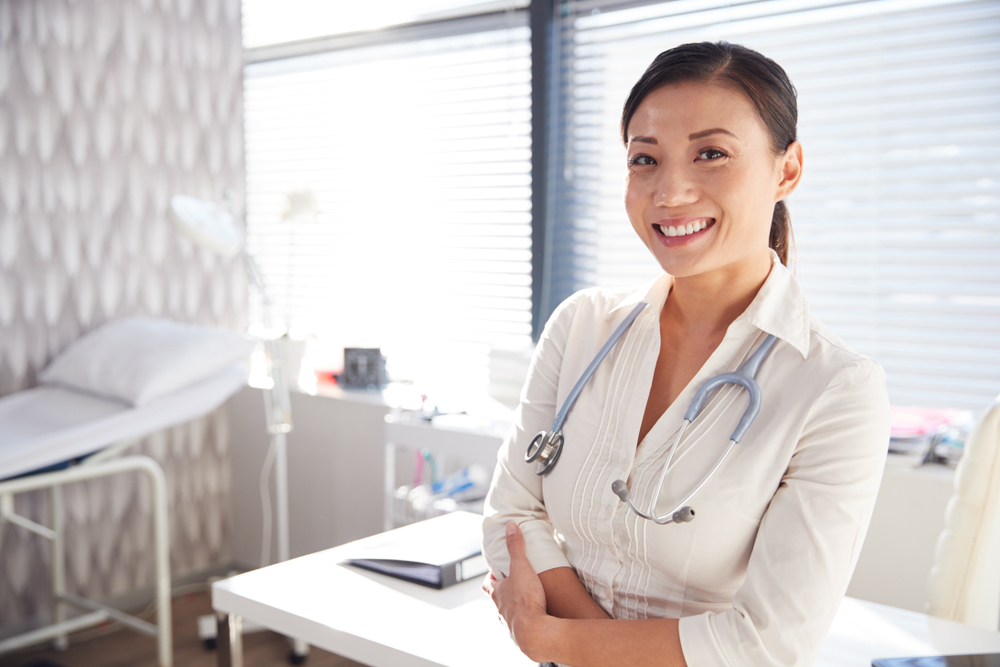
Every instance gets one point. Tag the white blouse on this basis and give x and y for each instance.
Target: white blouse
(757, 576)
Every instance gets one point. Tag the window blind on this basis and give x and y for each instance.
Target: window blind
(897, 217)
(418, 155)
(270, 22)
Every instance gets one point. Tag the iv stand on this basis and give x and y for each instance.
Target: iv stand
(277, 412)
(216, 230)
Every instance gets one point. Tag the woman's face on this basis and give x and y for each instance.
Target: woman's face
(703, 179)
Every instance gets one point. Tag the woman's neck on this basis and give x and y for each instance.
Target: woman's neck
(706, 304)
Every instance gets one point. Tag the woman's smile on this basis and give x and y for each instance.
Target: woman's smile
(674, 232)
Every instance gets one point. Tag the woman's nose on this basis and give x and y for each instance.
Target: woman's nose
(674, 188)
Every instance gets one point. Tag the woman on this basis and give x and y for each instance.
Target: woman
(580, 579)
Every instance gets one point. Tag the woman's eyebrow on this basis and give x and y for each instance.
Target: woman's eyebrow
(705, 133)
(691, 137)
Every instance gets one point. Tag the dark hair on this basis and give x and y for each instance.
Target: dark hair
(762, 80)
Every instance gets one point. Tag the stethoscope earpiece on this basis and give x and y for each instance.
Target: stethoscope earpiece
(681, 515)
(620, 490)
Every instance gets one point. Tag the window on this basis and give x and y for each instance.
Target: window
(416, 140)
(417, 152)
(267, 22)
(897, 219)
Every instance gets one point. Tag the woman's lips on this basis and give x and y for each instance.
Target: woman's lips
(682, 231)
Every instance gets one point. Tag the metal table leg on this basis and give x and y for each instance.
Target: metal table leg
(230, 640)
(58, 562)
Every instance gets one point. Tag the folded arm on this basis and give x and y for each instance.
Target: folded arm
(566, 596)
(576, 640)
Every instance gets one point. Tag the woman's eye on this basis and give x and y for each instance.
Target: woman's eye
(640, 160)
(711, 154)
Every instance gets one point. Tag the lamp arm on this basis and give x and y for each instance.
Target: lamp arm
(256, 278)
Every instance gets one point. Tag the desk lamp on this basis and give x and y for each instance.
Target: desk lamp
(213, 228)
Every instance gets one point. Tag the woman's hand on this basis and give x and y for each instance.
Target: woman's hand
(520, 598)
(594, 640)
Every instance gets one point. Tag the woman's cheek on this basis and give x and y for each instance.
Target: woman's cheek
(635, 206)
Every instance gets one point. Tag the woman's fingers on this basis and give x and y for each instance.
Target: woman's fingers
(522, 586)
(515, 547)
(489, 583)
(519, 597)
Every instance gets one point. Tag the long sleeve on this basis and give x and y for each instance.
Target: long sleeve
(516, 492)
(809, 537)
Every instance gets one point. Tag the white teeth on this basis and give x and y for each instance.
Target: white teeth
(684, 230)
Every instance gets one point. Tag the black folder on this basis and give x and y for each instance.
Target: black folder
(438, 552)
(981, 660)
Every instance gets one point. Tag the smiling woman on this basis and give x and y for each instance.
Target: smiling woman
(765, 113)
(719, 183)
(756, 578)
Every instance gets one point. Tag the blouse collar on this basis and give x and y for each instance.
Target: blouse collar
(780, 307)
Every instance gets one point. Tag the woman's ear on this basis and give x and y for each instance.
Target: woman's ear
(790, 171)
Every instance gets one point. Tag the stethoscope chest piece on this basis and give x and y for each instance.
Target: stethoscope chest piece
(544, 450)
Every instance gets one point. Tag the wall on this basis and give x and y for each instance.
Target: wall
(336, 465)
(107, 108)
(895, 562)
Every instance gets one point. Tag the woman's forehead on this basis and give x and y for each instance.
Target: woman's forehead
(694, 106)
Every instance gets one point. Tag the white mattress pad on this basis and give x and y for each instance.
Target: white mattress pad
(46, 425)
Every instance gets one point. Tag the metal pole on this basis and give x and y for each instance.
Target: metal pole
(161, 529)
(58, 562)
(278, 412)
(281, 493)
(230, 641)
(389, 490)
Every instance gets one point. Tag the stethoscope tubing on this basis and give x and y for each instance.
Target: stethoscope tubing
(745, 376)
(672, 515)
(592, 368)
(545, 448)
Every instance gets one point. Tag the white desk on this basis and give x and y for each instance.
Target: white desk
(386, 622)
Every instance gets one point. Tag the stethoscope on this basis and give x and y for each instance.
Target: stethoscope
(545, 448)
